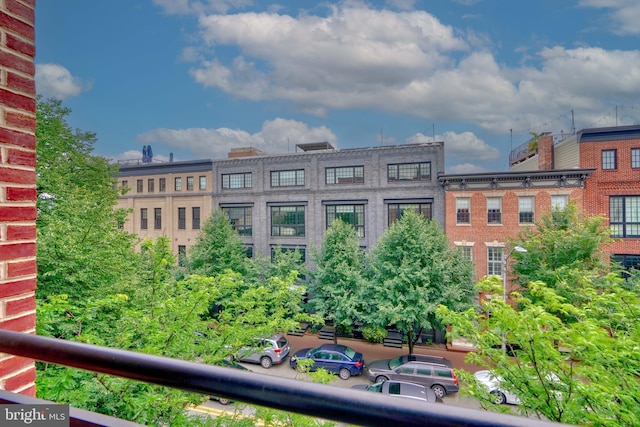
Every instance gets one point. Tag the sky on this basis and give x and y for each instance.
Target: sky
(196, 78)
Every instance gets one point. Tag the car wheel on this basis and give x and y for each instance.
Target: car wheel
(498, 397)
(224, 401)
(439, 390)
(381, 379)
(344, 373)
(266, 362)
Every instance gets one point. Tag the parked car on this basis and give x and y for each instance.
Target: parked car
(228, 364)
(335, 358)
(429, 371)
(400, 389)
(492, 383)
(275, 350)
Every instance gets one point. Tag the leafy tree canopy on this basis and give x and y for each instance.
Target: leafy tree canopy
(80, 244)
(219, 248)
(413, 272)
(338, 275)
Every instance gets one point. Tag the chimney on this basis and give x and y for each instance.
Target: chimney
(545, 152)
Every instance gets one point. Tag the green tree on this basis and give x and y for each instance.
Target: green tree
(413, 272)
(583, 371)
(218, 248)
(81, 246)
(165, 317)
(564, 248)
(337, 278)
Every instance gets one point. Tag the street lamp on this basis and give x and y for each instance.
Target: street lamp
(504, 285)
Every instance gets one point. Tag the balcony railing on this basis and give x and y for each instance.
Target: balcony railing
(316, 400)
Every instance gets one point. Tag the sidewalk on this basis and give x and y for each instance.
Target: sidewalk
(373, 351)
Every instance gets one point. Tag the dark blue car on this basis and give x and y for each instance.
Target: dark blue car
(335, 358)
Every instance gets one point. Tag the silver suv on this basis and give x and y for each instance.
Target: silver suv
(433, 372)
(275, 350)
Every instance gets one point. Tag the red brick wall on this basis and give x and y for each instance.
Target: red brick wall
(545, 152)
(480, 233)
(17, 186)
(623, 181)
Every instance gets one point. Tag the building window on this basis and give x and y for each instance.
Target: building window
(202, 182)
(494, 210)
(162, 184)
(236, 180)
(140, 186)
(628, 262)
(151, 185)
(249, 251)
(182, 218)
(409, 172)
(467, 252)
(190, 183)
(344, 175)
(397, 209)
(525, 208)
(494, 261)
(463, 210)
(635, 158)
(143, 218)
(182, 256)
(287, 221)
(240, 218)
(609, 159)
(157, 218)
(351, 214)
(293, 178)
(624, 216)
(301, 250)
(178, 184)
(558, 203)
(125, 183)
(195, 218)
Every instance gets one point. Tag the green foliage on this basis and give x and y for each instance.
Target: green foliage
(583, 371)
(413, 272)
(80, 245)
(375, 334)
(338, 276)
(218, 248)
(564, 248)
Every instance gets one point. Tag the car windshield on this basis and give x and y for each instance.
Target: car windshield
(377, 387)
(314, 350)
(394, 363)
(350, 353)
(282, 342)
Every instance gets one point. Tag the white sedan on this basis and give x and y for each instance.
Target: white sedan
(493, 384)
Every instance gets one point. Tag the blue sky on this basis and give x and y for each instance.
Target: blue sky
(197, 78)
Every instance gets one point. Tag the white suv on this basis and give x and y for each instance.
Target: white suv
(275, 350)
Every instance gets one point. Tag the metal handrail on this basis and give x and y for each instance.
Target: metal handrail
(317, 400)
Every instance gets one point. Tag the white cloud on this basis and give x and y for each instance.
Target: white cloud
(625, 14)
(464, 147)
(466, 168)
(184, 7)
(55, 81)
(276, 136)
(359, 58)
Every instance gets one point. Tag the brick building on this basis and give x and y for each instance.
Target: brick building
(287, 200)
(17, 186)
(612, 190)
(484, 210)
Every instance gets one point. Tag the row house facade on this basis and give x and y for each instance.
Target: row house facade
(483, 211)
(288, 200)
(167, 199)
(612, 190)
